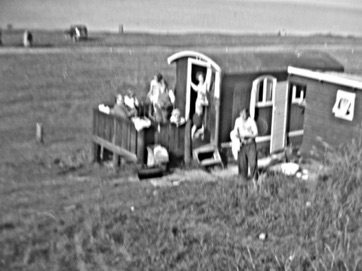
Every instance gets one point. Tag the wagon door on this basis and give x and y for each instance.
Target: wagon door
(261, 106)
(278, 132)
(209, 117)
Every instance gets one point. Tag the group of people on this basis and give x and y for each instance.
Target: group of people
(162, 99)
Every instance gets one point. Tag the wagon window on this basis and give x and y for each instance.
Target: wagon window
(344, 105)
(298, 93)
(269, 90)
(265, 91)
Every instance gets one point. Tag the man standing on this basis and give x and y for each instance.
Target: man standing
(245, 130)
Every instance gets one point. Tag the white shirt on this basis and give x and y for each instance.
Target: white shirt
(245, 129)
(131, 102)
(154, 91)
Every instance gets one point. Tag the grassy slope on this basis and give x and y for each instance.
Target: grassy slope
(58, 213)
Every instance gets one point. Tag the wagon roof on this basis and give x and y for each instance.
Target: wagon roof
(343, 79)
(263, 60)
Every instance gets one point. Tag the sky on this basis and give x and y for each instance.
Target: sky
(230, 16)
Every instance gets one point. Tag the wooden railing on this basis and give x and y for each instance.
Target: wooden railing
(119, 136)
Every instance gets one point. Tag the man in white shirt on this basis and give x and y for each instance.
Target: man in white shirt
(245, 131)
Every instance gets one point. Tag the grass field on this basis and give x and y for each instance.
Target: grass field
(59, 212)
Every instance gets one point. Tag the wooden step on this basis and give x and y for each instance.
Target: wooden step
(211, 162)
(208, 155)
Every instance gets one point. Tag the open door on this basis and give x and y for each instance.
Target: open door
(261, 105)
(186, 72)
(278, 133)
(196, 66)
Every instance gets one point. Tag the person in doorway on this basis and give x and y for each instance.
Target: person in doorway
(246, 131)
(197, 130)
(201, 89)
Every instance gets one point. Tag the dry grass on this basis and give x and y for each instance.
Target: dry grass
(58, 212)
(99, 223)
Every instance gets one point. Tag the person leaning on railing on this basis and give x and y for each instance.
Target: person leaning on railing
(120, 109)
(131, 102)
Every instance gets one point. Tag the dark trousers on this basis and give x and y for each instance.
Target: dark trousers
(248, 157)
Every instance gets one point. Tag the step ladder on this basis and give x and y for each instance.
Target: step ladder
(208, 155)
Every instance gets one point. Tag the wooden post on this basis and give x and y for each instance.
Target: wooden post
(141, 146)
(96, 153)
(187, 153)
(39, 133)
(120, 29)
(27, 39)
(116, 157)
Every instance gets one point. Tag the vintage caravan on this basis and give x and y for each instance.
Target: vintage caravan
(254, 79)
(235, 80)
(333, 111)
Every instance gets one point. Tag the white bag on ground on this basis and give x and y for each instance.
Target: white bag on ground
(157, 155)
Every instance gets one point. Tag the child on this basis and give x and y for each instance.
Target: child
(201, 90)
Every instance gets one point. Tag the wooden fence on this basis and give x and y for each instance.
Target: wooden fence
(119, 136)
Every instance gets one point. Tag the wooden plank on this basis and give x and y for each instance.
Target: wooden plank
(115, 149)
(124, 134)
(140, 137)
(96, 153)
(116, 157)
(132, 139)
(279, 117)
(187, 151)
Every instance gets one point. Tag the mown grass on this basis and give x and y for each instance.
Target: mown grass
(85, 223)
(49, 39)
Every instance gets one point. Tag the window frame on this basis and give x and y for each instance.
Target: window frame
(265, 80)
(339, 112)
(295, 99)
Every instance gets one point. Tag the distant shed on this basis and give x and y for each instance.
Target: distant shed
(254, 79)
(333, 113)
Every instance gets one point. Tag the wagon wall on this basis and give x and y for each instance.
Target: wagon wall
(320, 124)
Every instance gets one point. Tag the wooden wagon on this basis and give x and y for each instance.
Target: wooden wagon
(120, 137)
(257, 80)
(333, 112)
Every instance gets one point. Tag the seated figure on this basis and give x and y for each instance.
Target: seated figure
(176, 118)
(131, 101)
(120, 108)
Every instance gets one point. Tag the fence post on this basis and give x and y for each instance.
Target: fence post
(120, 29)
(39, 133)
(187, 154)
(141, 146)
